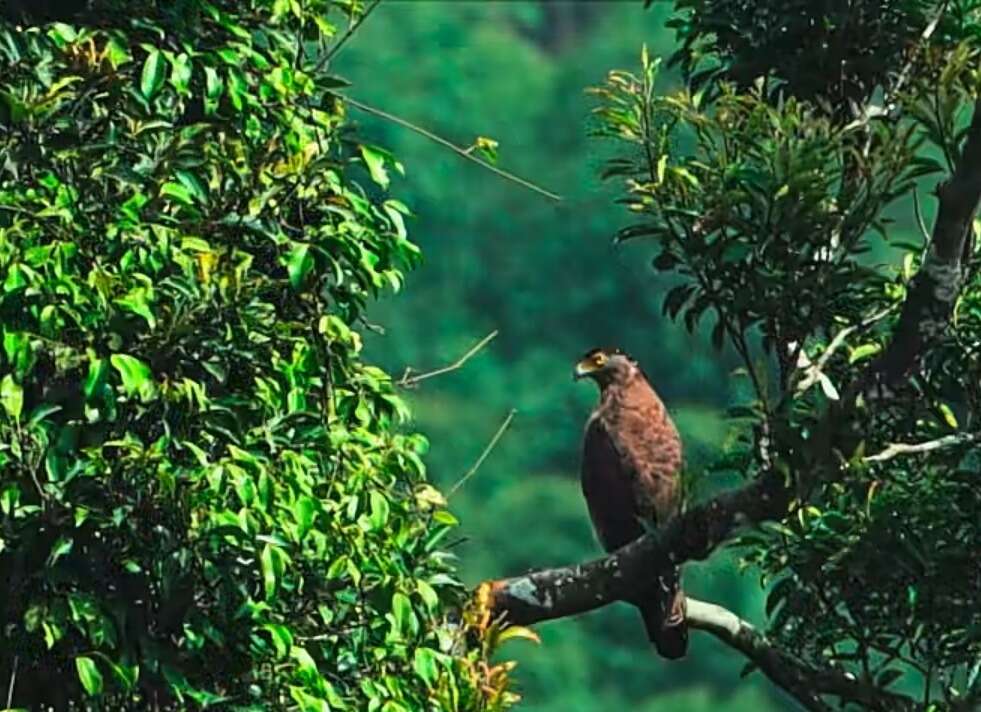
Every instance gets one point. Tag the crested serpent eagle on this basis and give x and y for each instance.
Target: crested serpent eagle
(631, 464)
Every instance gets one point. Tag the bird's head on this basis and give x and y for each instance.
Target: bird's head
(605, 366)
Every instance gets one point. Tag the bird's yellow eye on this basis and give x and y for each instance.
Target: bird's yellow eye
(599, 359)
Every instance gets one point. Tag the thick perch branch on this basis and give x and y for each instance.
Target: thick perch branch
(557, 593)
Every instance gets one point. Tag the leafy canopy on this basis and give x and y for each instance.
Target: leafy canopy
(205, 497)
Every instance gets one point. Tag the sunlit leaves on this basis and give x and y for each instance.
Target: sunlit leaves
(299, 262)
(11, 396)
(206, 483)
(375, 161)
(274, 561)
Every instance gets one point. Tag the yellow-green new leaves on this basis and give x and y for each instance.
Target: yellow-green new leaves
(11, 396)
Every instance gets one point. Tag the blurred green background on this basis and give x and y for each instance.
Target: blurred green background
(549, 278)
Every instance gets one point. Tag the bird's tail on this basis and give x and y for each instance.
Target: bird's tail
(664, 616)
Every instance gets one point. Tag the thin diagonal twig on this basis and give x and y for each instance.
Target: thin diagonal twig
(483, 456)
(450, 145)
(408, 380)
(13, 682)
(352, 28)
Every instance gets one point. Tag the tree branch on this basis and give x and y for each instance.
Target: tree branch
(483, 455)
(897, 449)
(351, 29)
(560, 592)
(933, 292)
(805, 683)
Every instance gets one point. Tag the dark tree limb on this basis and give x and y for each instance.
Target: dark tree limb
(557, 593)
(933, 292)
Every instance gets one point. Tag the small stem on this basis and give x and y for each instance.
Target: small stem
(483, 456)
(408, 381)
(13, 682)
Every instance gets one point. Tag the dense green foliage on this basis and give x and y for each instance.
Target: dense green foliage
(769, 206)
(205, 498)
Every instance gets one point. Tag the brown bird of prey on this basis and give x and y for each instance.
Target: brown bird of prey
(631, 463)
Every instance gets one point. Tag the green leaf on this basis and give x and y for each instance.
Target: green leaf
(62, 34)
(304, 512)
(194, 186)
(273, 562)
(89, 674)
(176, 191)
(444, 517)
(379, 510)
(11, 396)
(860, 353)
(180, 73)
(299, 262)
(17, 347)
(42, 412)
(137, 376)
(127, 675)
(406, 622)
(282, 638)
(137, 302)
(153, 75)
(424, 663)
(96, 377)
(214, 86)
(948, 415)
(518, 631)
(60, 548)
(375, 160)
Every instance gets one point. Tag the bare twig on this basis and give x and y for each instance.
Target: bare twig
(897, 449)
(408, 380)
(450, 145)
(483, 456)
(13, 682)
(918, 212)
(352, 28)
(927, 33)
